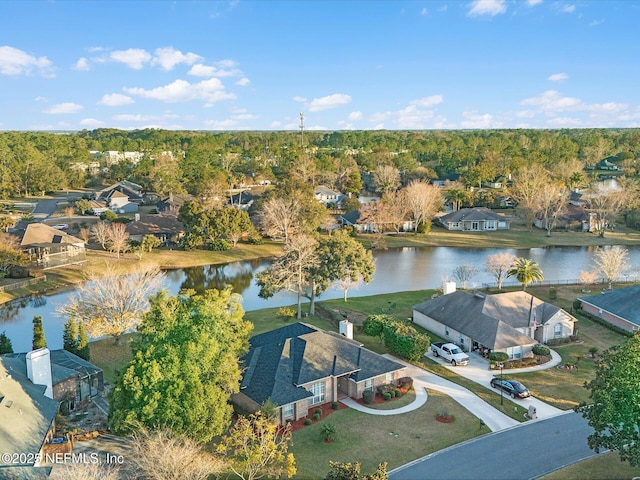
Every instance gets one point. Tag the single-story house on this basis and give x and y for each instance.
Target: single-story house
(619, 307)
(327, 196)
(48, 247)
(130, 189)
(166, 227)
(74, 380)
(573, 218)
(510, 322)
(350, 219)
(300, 366)
(27, 414)
(475, 219)
(446, 180)
(172, 204)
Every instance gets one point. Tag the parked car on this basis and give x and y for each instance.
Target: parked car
(61, 226)
(450, 352)
(511, 387)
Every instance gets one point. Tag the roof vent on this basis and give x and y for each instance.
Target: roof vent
(479, 295)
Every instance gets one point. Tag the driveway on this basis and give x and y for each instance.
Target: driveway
(524, 452)
(478, 371)
(45, 208)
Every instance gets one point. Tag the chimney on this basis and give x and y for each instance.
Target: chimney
(346, 329)
(39, 369)
(136, 217)
(448, 287)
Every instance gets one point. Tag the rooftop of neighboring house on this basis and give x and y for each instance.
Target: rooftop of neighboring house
(324, 190)
(38, 234)
(492, 320)
(622, 302)
(281, 361)
(155, 224)
(471, 214)
(26, 414)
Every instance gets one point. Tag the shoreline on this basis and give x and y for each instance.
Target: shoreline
(64, 278)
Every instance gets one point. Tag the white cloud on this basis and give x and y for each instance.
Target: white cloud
(298, 98)
(330, 101)
(412, 117)
(379, 126)
(41, 99)
(210, 90)
(275, 124)
(168, 57)
(115, 100)
(18, 62)
(133, 57)
(199, 70)
(595, 23)
(220, 124)
(473, 119)
(344, 125)
(355, 116)
(424, 12)
(92, 123)
(552, 101)
(243, 82)
(40, 127)
(428, 101)
(564, 122)
(568, 8)
(245, 116)
(533, 3)
(487, 7)
(225, 68)
(558, 77)
(63, 108)
(82, 64)
(607, 108)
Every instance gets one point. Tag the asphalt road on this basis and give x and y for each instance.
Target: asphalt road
(44, 208)
(520, 453)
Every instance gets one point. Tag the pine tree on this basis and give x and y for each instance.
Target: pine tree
(82, 345)
(70, 336)
(5, 344)
(38, 333)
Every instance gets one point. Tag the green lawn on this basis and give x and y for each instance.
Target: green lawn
(606, 466)
(111, 358)
(371, 440)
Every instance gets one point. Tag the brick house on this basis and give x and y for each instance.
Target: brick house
(620, 307)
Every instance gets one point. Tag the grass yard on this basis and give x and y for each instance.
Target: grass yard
(606, 466)
(371, 440)
(111, 358)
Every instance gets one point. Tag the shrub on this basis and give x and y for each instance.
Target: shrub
(368, 396)
(318, 411)
(398, 393)
(335, 406)
(108, 215)
(405, 382)
(374, 324)
(329, 432)
(498, 357)
(308, 421)
(316, 417)
(541, 350)
(577, 305)
(386, 396)
(553, 293)
(256, 240)
(387, 387)
(219, 245)
(558, 341)
(593, 351)
(286, 312)
(400, 337)
(424, 227)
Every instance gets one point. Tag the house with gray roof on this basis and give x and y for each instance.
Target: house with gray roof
(510, 322)
(620, 307)
(48, 247)
(327, 196)
(27, 419)
(477, 219)
(300, 366)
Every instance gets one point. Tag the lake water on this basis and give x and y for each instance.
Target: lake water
(396, 270)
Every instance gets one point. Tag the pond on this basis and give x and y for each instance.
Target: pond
(397, 270)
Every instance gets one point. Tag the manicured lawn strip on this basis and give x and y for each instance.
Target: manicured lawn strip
(396, 403)
(371, 439)
(606, 466)
(267, 319)
(396, 304)
(112, 358)
(508, 407)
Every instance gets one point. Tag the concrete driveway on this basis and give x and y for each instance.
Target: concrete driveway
(478, 371)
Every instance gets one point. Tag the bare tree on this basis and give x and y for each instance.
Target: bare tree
(85, 471)
(112, 305)
(69, 211)
(160, 455)
(118, 238)
(99, 231)
(84, 234)
(552, 203)
(422, 201)
(463, 273)
(608, 204)
(386, 178)
(280, 217)
(611, 262)
(569, 172)
(498, 265)
(588, 278)
(526, 188)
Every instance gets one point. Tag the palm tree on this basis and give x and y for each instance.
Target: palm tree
(456, 197)
(526, 271)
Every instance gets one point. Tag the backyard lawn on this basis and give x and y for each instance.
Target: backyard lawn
(606, 466)
(370, 440)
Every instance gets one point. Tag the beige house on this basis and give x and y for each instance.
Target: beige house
(48, 247)
(510, 322)
(299, 367)
(620, 307)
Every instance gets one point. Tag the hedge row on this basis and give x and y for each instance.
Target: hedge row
(398, 336)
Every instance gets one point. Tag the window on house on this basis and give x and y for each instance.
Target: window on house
(368, 385)
(557, 330)
(287, 410)
(318, 391)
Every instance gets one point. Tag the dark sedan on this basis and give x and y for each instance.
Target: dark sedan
(511, 387)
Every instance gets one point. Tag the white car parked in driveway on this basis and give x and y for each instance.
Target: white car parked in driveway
(61, 226)
(450, 352)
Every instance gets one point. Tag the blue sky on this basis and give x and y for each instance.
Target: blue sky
(255, 65)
